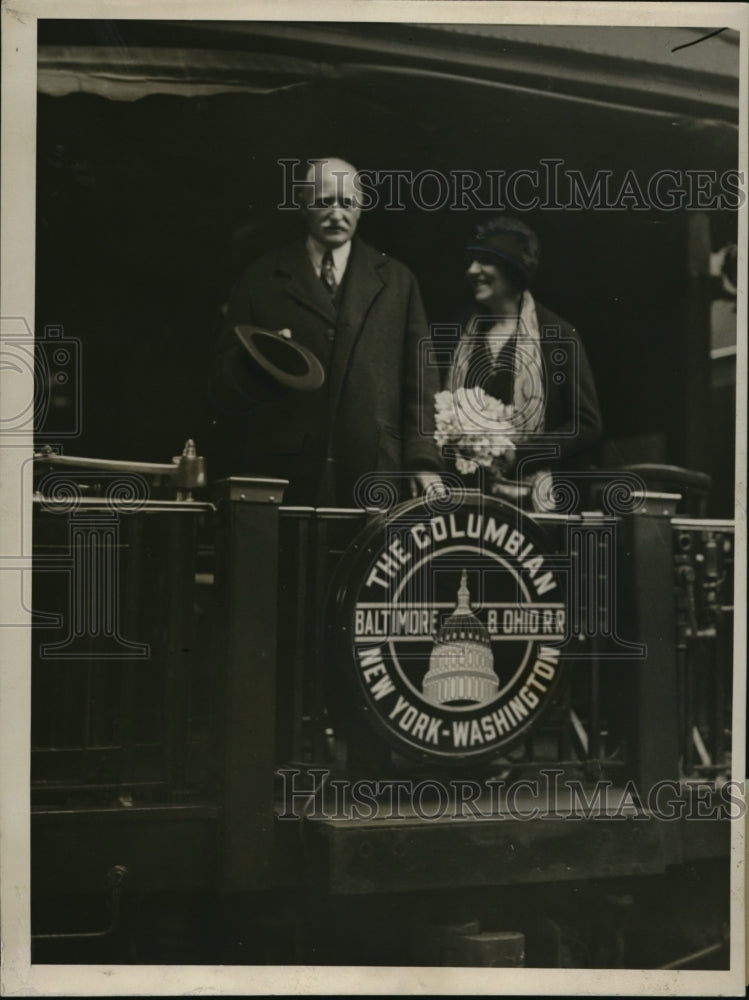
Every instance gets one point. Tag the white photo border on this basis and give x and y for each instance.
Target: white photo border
(17, 267)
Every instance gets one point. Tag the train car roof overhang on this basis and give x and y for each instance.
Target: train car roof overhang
(652, 71)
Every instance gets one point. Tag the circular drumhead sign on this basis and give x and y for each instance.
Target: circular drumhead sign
(448, 627)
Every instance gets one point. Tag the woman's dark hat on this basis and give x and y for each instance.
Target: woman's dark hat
(512, 241)
(288, 364)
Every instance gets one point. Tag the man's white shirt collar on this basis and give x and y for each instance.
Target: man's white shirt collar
(340, 257)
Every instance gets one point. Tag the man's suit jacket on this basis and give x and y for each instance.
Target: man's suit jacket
(376, 410)
(572, 418)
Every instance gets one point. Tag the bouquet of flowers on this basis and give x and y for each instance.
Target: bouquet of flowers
(478, 427)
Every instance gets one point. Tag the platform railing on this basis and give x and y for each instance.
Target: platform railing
(119, 708)
(195, 663)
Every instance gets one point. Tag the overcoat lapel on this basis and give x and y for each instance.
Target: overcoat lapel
(362, 284)
(301, 282)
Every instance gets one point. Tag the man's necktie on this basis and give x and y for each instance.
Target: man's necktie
(327, 273)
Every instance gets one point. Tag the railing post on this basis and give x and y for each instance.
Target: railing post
(247, 582)
(648, 571)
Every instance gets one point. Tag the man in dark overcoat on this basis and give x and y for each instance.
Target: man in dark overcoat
(360, 313)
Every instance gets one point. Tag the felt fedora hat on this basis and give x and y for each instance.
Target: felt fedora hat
(277, 363)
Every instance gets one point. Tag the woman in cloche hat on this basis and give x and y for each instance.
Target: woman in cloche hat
(517, 369)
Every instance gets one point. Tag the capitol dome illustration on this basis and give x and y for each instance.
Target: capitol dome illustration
(461, 665)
